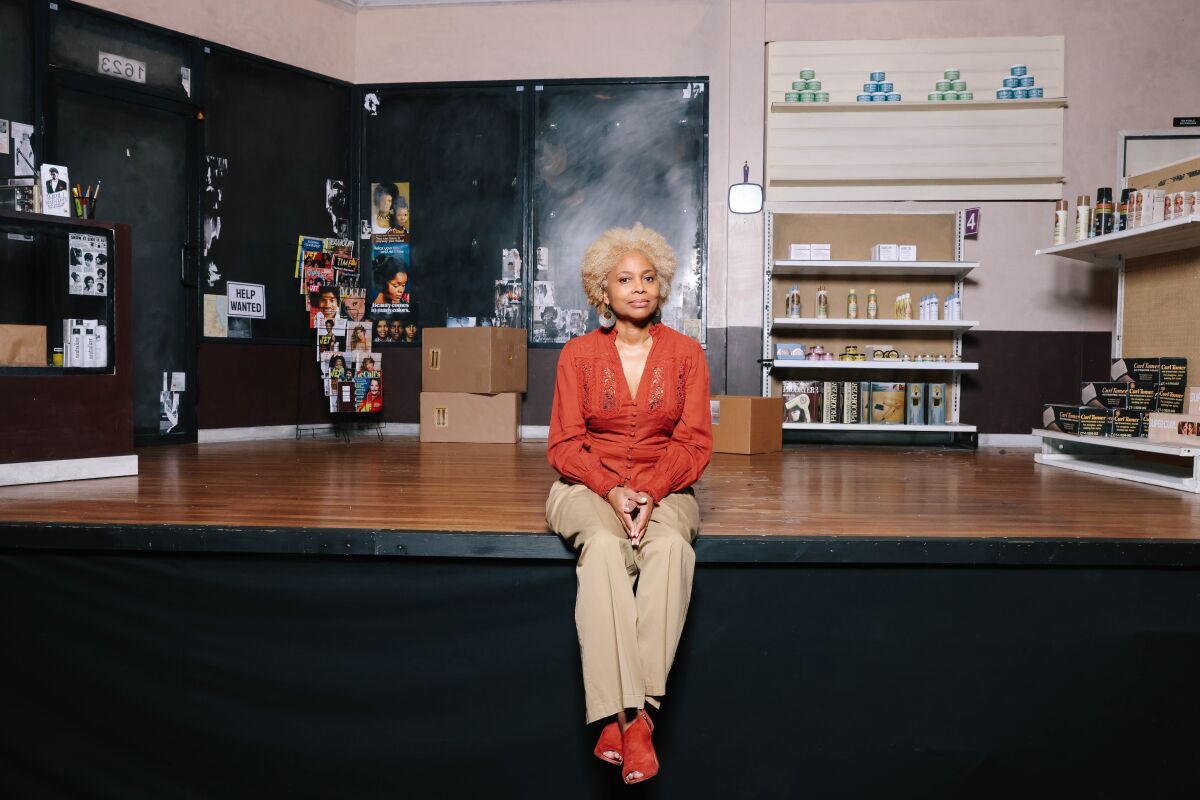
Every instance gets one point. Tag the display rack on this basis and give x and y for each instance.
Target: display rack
(939, 236)
(1165, 260)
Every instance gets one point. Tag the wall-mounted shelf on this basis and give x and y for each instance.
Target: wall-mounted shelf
(845, 426)
(922, 105)
(1111, 457)
(1149, 240)
(803, 323)
(891, 366)
(952, 269)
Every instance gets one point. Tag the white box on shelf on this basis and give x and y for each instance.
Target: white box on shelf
(885, 252)
(906, 252)
(800, 252)
(820, 252)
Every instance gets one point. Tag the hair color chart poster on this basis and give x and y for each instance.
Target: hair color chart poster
(89, 268)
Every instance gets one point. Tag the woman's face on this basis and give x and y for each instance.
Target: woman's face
(327, 304)
(410, 331)
(396, 330)
(381, 329)
(356, 307)
(385, 203)
(394, 291)
(360, 334)
(632, 288)
(402, 217)
(338, 363)
(374, 386)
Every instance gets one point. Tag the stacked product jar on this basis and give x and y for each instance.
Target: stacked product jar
(951, 87)
(1019, 85)
(878, 89)
(807, 89)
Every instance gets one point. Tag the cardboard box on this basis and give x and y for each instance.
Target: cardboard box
(468, 417)
(1169, 399)
(907, 252)
(1141, 396)
(935, 403)
(885, 252)
(1061, 418)
(887, 403)
(23, 345)
(820, 252)
(914, 408)
(1095, 421)
(802, 401)
(1193, 400)
(1176, 429)
(851, 402)
(1180, 176)
(1156, 369)
(799, 252)
(473, 360)
(746, 425)
(1128, 424)
(1105, 394)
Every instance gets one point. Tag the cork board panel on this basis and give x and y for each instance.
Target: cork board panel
(1162, 312)
(851, 236)
(1182, 176)
(839, 287)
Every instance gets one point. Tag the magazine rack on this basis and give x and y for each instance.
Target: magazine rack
(63, 422)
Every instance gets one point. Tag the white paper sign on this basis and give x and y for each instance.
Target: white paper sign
(115, 66)
(246, 300)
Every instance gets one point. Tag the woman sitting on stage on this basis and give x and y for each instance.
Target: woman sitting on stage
(630, 433)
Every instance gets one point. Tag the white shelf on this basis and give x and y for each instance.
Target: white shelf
(921, 105)
(1111, 457)
(899, 366)
(949, 269)
(1148, 240)
(810, 323)
(851, 426)
(1120, 443)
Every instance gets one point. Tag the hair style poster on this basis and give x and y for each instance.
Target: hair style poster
(336, 206)
(508, 304)
(396, 329)
(391, 209)
(89, 267)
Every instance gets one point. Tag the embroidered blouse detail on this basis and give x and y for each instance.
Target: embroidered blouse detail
(602, 436)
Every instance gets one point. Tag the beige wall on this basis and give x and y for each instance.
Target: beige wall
(724, 40)
(317, 35)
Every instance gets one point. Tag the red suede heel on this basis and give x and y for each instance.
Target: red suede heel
(609, 742)
(638, 751)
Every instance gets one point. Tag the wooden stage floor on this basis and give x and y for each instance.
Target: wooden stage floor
(805, 491)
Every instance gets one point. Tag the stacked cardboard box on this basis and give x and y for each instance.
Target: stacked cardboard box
(746, 425)
(1121, 406)
(472, 380)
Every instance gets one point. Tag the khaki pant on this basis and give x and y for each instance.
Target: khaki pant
(627, 638)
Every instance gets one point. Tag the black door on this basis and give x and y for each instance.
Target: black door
(141, 151)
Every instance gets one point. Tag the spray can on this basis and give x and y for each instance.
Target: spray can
(1102, 221)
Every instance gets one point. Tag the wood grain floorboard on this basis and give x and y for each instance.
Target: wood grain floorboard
(400, 484)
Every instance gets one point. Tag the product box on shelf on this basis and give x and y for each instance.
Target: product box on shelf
(831, 401)
(470, 417)
(820, 252)
(800, 252)
(1127, 424)
(1095, 421)
(23, 345)
(1154, 369)
(1176, 429)
(936, 403)
(475, 360)
(746, 425)
(1141, 396)
(885, 252)
(887, 403)
(1169, 398)
(906, 252)
(1061, 418)
(1105, 394)
(914, 407)
(802, 401)
(851, 402)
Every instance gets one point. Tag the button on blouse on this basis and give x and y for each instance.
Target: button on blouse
(658, 442)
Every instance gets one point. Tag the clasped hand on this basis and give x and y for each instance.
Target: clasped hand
(633, 509)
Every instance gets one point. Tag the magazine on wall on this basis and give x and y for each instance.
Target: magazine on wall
(358, 337)
(391, 209)
(331, 337)
(317, 273)
(305, 247)
(89, 267)
(368, 393)
(56, 190)
(354, 304)
(390, 268)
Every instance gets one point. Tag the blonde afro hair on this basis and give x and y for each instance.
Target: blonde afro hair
(613, 245)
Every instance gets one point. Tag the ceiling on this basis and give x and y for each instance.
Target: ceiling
(383, 3)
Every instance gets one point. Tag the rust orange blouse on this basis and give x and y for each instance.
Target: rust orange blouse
(658, 443)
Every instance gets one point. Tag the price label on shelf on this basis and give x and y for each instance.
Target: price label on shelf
(116, 66)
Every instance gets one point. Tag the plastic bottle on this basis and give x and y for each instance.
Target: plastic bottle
(791, 303)
(872, 305)
(822, 303)
(1083, 217)
(852, 305)
(1062, 211)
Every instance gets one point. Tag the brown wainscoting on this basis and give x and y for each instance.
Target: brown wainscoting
(1021, 370)
(252, 385)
